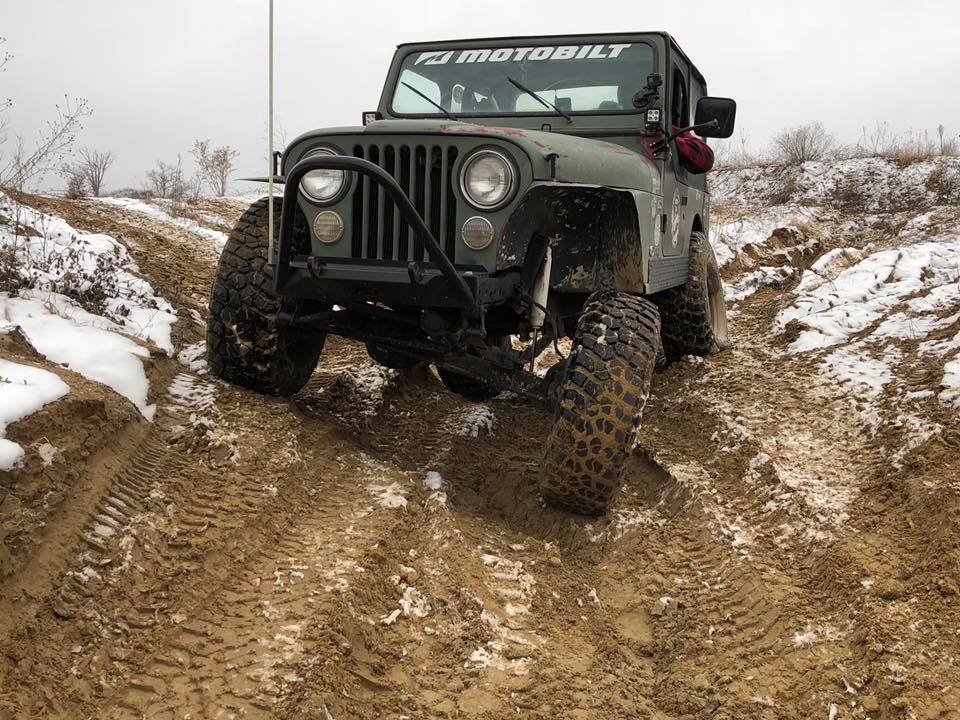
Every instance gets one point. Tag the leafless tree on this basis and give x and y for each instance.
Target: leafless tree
(52, 146)
(804, 143)
(92, 167)
(166, 180)
(214, 165)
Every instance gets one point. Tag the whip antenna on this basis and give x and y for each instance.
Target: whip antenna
(270, 160)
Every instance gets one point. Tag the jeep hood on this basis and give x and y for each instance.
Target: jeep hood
(578, 160)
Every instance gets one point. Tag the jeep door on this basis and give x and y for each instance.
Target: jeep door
(675, 177)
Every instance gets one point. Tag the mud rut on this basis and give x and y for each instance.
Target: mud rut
(253, 557)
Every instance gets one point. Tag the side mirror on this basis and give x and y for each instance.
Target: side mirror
(723, 110)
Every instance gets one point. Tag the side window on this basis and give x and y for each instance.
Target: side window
(697, 91)
(680, 102)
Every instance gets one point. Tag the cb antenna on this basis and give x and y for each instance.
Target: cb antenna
(270, 161)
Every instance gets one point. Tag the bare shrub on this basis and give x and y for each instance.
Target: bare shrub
(30, 259)
(76, 187)
(803, 143)
(949, 144)
(5, 103)
(214, 165)
(877, 142)
(9, 269)
(735, 153)
(166, 180)
(50, 149)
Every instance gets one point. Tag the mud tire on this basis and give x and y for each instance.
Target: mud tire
(602, 395)
(694, 315)
(245, 345)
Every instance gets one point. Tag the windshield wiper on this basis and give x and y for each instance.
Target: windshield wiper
(545, 103)
(437, 105)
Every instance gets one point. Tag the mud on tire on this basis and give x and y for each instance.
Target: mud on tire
(694, 315)
(245, 345)
(602, 395)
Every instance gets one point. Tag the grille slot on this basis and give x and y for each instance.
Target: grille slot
(425, 173)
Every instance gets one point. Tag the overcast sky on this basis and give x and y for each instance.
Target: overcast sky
(160, 74)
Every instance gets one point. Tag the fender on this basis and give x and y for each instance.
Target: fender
(594, 233)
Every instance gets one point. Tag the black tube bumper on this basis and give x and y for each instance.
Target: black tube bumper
(437, 283)
(347, 281)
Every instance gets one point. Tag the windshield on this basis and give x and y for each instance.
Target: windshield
(575, 78)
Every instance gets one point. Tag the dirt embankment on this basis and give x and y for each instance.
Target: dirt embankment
(375, 546)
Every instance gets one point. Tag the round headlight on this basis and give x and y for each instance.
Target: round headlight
(487, 179)
(323, 185)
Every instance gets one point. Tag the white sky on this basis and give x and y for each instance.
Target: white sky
(160, 74)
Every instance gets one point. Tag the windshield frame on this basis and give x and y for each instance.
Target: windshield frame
(403, 52)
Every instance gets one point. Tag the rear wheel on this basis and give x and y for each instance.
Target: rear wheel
(245, 344)
(602, 395)
(694, 315)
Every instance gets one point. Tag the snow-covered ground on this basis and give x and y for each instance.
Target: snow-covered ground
(162, 210)
(24, 389)
(868, 253)
(79, 300)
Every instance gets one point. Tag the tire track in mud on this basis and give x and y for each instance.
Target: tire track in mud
(249, 566)
(151, 466)
(303, 560)
(238, 648)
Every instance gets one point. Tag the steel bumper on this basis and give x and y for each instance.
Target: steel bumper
(434, 283)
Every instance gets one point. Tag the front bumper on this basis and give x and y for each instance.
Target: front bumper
(436, 283)
(419, 284)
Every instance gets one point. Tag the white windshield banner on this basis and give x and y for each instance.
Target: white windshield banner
(496, 55)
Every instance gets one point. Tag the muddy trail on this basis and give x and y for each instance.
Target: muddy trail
(375, 546)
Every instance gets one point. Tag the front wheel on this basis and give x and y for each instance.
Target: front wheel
(602, 395)
(245, 344)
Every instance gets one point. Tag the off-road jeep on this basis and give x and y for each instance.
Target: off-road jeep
(506, 193)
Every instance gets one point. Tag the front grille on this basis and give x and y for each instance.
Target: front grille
(425, 172)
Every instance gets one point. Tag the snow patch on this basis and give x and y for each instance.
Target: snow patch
(54, 257)
(829, 311)
(389, 496)
(24, 389)
(477, 420)
(91, 345)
